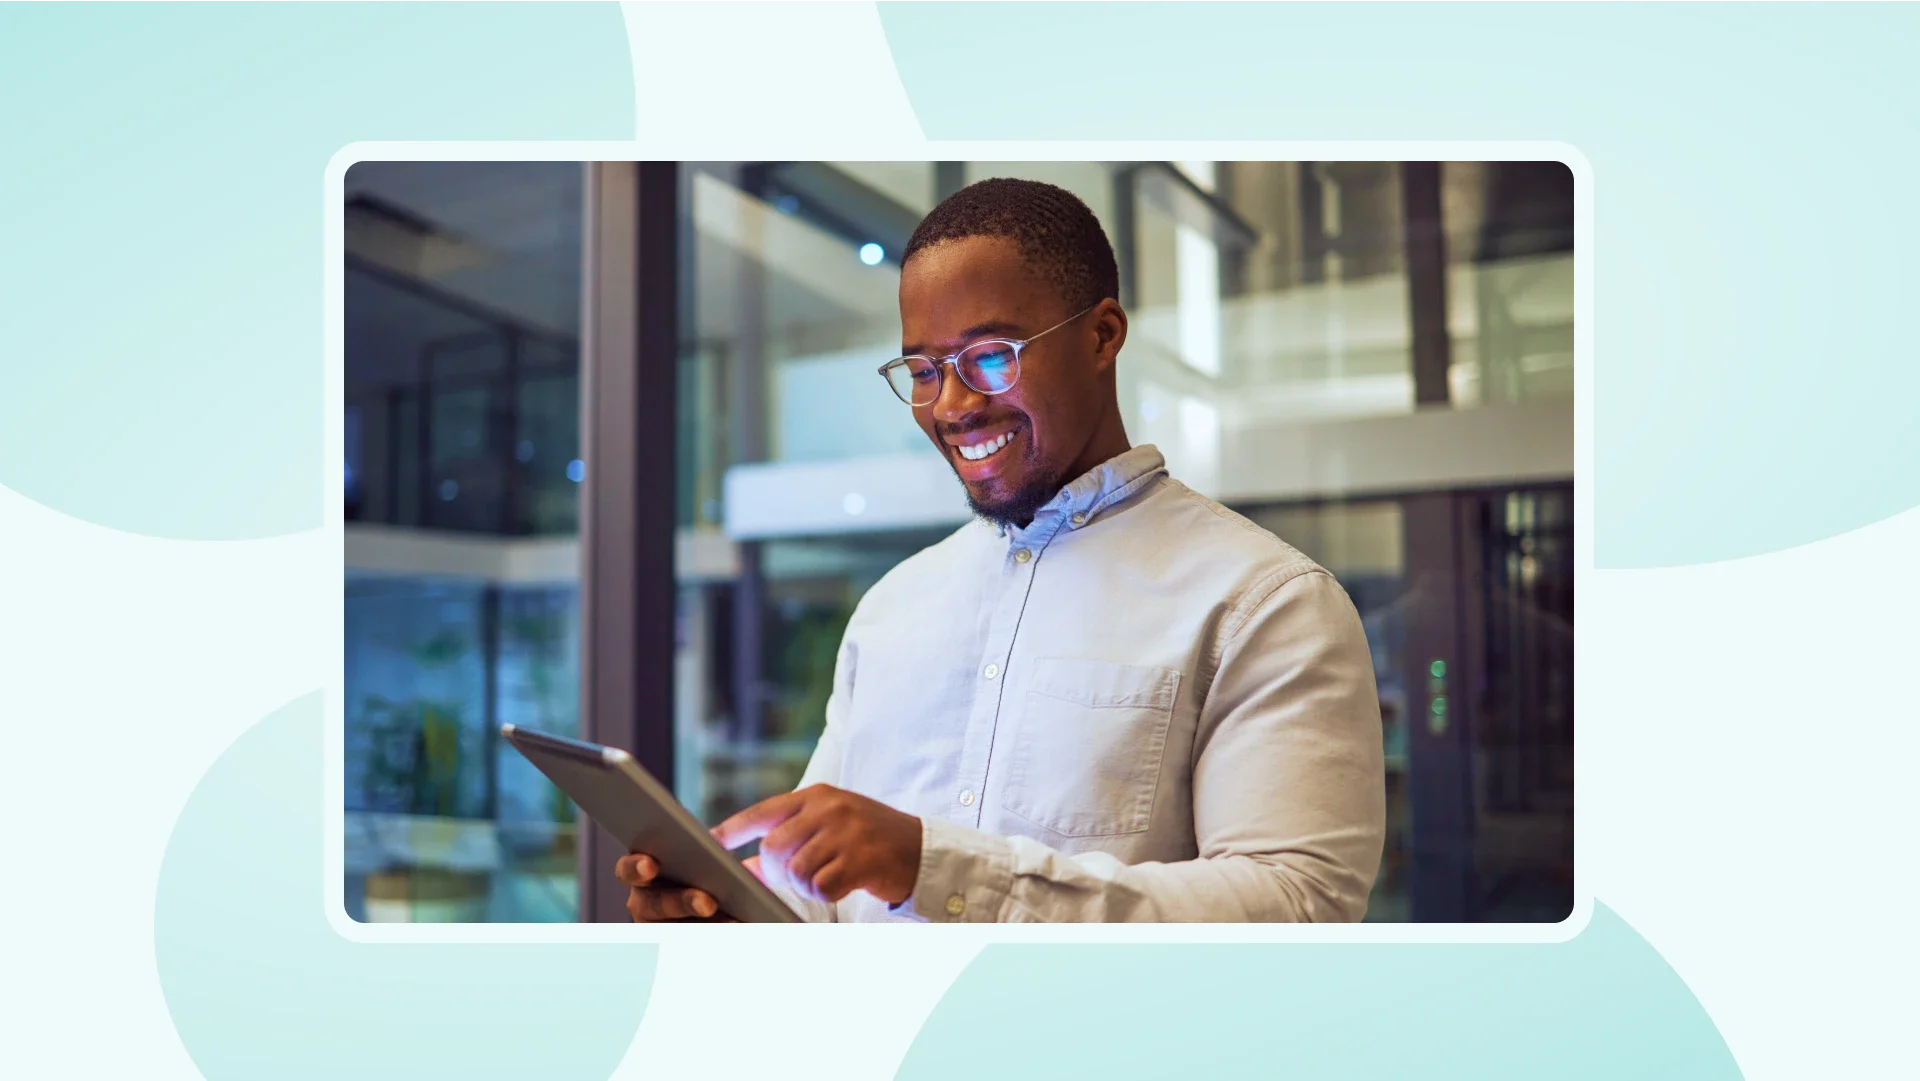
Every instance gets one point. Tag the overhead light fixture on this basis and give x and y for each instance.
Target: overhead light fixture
(871, 253)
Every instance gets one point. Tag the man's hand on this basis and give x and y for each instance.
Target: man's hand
(648, 903)
(825, 842)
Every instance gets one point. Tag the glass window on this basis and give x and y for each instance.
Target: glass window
(912, 184)
(462, 302)
(416, 749)
(1509, 229)
(1316, 313)
(537, 674)
(1523, 718)
(791, 321)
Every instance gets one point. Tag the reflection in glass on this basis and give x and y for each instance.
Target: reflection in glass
(1523, 844)
(1509, 228)
(462, 293)
(444, 822)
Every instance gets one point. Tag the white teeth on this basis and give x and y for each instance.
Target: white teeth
(975, 453)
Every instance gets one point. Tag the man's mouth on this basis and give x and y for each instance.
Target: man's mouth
(981, 451)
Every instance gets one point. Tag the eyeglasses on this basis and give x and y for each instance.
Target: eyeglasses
(990, 366)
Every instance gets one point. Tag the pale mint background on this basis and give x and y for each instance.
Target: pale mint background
(160, 295)
(160, 373)
(1753, 173)
(260, 985)
(1600, 1007)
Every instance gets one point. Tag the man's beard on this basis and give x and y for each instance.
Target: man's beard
(1019, 508)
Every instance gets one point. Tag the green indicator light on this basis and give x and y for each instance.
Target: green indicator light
(1439, 669)
(1440, 706)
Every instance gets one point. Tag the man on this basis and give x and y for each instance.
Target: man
(1107, 697)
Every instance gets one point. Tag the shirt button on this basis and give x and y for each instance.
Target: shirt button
(1022, 556)
(956, 904)
(966, 798)
(990, 671)
(1079, 519)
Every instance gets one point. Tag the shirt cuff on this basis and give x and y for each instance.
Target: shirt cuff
(965, 875)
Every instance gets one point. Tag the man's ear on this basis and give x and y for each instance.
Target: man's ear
(1109, 323)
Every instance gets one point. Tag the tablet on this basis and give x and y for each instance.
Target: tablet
(642, 815)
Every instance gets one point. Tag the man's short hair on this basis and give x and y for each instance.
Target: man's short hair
(1057, 235)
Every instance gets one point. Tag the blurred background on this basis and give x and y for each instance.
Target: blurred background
(1374, 360)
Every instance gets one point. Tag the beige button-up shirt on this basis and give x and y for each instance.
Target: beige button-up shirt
(1139, 707)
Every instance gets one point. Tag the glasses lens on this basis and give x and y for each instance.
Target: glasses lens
(990, 367)
(917, 381)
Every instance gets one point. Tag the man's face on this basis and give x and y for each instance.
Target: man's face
(962, 291)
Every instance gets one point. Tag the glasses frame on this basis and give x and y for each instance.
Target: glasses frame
(940, 364)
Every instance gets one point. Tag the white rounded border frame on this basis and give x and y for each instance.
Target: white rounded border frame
(327, 578)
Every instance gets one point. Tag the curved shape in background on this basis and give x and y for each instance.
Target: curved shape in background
(1746, 402)
(171, 169)
(260, 985)
(1602, 1006)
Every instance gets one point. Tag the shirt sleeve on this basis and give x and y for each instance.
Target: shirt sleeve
(1289, 795)
(824, 768)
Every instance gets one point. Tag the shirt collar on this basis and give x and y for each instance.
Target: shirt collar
(1111, 482)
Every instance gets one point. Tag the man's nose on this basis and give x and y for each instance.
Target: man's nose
(957, 400)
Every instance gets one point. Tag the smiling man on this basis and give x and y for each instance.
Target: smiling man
(1105, 698)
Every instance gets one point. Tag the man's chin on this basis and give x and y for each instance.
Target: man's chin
(989, 495)
(1015, 507)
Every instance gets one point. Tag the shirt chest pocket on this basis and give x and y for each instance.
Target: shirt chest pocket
(1085, 756)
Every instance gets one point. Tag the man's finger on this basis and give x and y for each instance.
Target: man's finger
(806, 859)
(834, 881)
(782, 843)
(753, 864)
(665, 904)
(636, 869)
(754, 822)
(784, 840)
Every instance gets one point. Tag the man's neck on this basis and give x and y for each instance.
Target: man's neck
(1109, 442)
